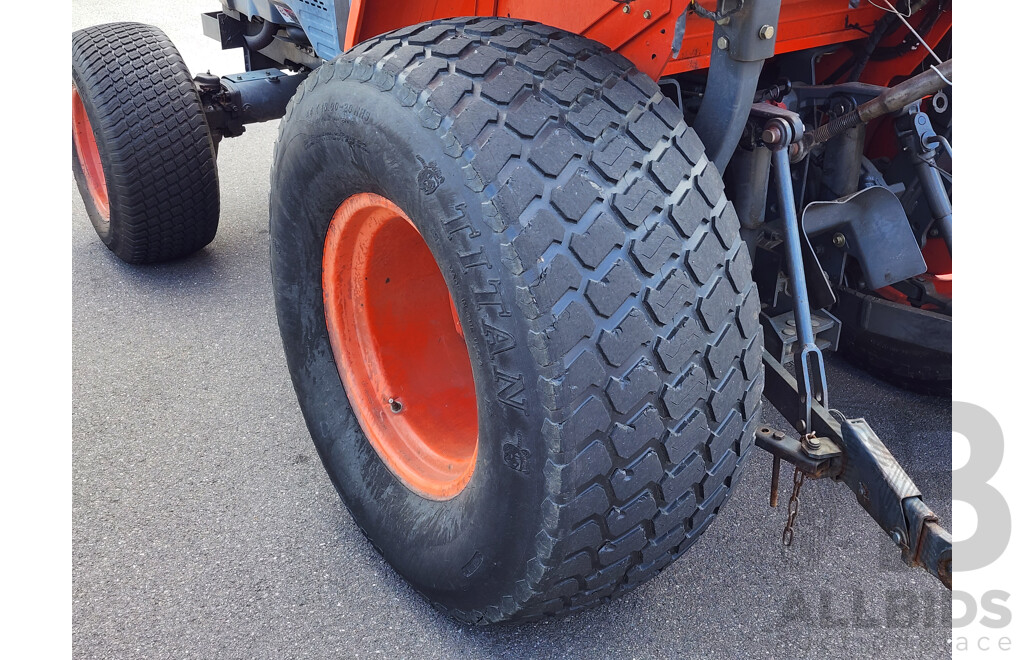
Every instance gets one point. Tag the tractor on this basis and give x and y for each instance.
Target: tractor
(536, 264)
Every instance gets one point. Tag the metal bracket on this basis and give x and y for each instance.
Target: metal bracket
(815, 462)
(749, 34)
(916, 135)
(733, 76)
(224, 27)
(873, 226)
(780, 333)
(851, 452)
(892, 499)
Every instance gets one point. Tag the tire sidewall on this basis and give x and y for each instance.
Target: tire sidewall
(343, 140)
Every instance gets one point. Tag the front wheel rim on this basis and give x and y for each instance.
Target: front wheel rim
(88, 155)
(398, 345)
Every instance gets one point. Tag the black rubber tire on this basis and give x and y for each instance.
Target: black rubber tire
(598, 274)
(154, 143)
(905, 365)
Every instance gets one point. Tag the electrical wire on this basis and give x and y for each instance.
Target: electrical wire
(891, 8)
(910, 27)
(932, 13)
(944, 78)
(945, 144)
(871, 50)
(947, 175)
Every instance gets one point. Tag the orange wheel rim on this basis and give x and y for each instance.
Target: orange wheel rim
(399, 348)
(88, 154)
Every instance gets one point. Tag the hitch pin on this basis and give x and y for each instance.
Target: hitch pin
(773, 499)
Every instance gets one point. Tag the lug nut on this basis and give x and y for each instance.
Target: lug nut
(625, 9)
(647, 14)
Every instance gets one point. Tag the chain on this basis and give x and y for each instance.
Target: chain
(794, 507)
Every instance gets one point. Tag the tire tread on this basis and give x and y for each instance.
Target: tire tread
(160, 161)
(645, 434)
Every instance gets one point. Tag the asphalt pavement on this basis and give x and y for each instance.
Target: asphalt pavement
(205, 526)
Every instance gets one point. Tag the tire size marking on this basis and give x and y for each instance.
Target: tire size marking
(355, 144)
(340, 111)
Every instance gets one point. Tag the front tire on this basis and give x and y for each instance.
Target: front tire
(142, 152)
(600, 295)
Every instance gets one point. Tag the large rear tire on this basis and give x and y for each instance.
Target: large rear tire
(517, 313)
(142, 152)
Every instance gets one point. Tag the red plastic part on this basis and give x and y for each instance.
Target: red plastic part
(399, 348)
(88, 154)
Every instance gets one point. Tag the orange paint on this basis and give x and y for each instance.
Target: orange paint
(940, 266)
(646, 41)
(88, 154)
(399, 348)
(891, 72)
